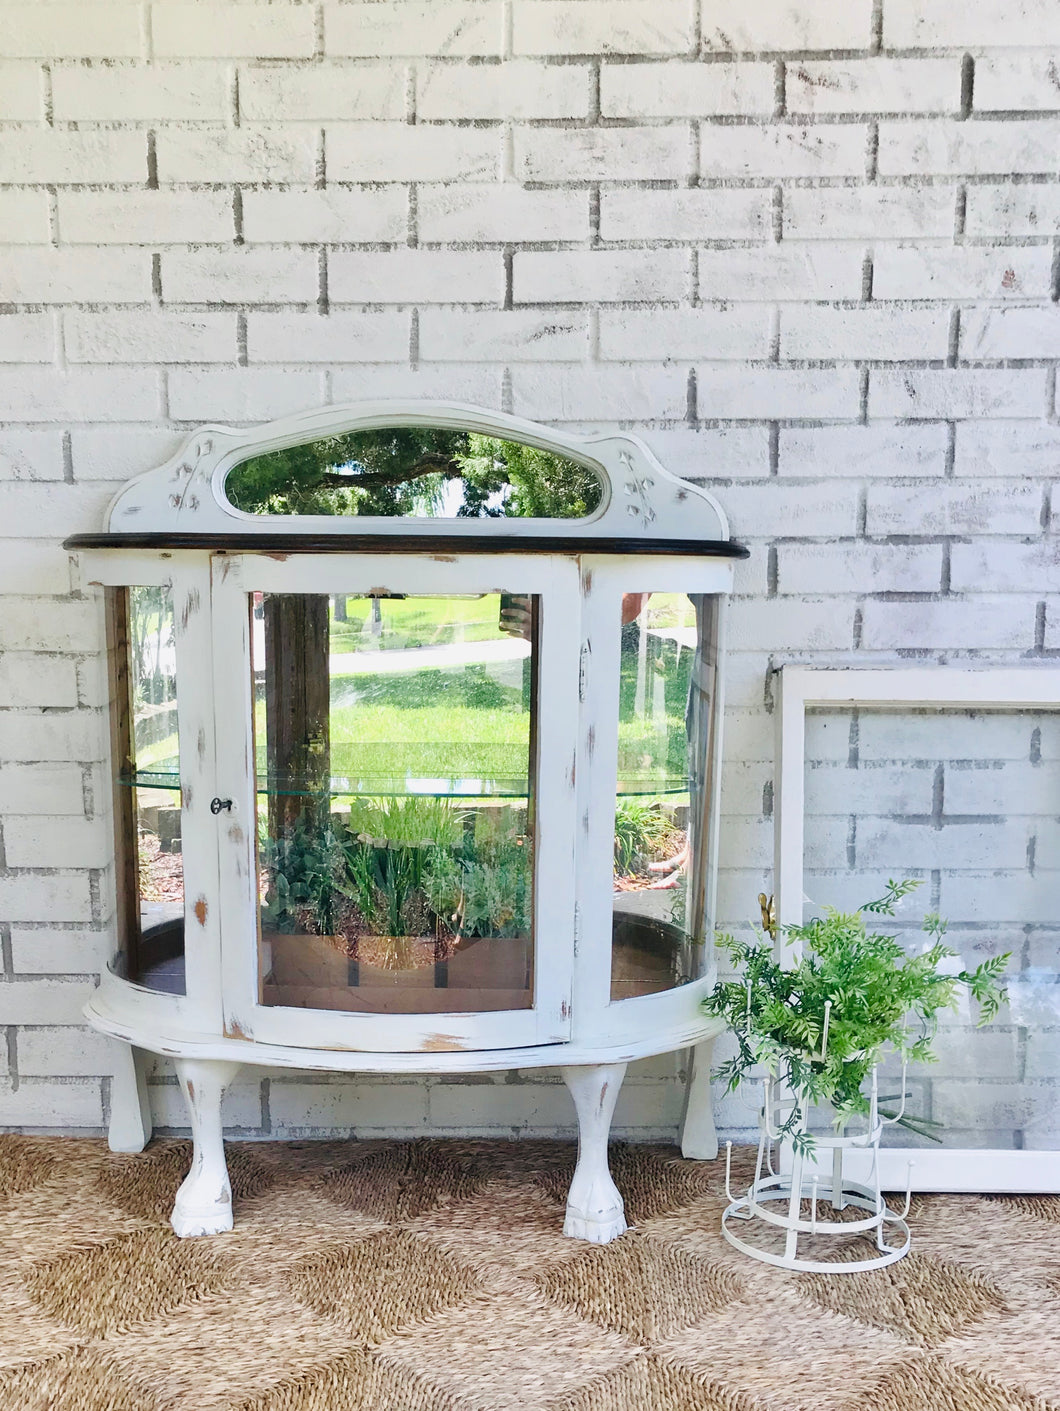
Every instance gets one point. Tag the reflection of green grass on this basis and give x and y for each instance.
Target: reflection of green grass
(418, 622)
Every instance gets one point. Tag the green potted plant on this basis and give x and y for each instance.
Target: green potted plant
(823, 1020)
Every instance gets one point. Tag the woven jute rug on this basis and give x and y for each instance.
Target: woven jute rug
(433, 1276)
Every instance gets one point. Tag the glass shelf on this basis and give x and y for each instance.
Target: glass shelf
(384, 785)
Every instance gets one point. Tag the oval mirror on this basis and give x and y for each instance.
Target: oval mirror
(423, 472)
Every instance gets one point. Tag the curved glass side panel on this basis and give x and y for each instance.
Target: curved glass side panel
(416, 471)
(668, 670)
(147, 806)
(395, 742)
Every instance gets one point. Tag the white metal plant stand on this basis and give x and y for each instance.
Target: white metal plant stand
(770, 1186)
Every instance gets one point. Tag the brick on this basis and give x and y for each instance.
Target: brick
(664, 334)
(233, 31)
(836, 788)
(1006, 567)
(70, 842)
(890, 334)
(464, 382)
(21, 93)
(39, 896)
(722, 452)
(859, 568)
(29, 679)
(140, 92)
(686, 90)
(519, 88)
(145, 217)
(813, 149)
(240, 1106)
(786, 625)
(357, 216)
(337, 337)
(415, 276)
(1017, 449)
(955, 393)
(602, 154)
(26, 338)
(908, 272)
(486, 1109)
(945, 734)
(768, 509)
(385, 29)
(36, 1105)
(781, 272)
(52, 510)
(769, 393)
(97, 394)
(877, 450)
(599, 27)
(150, 336)
(609, 276)
(355, 1105)
(241, 394)
(376, 151)
(1016, 897)
(1010, 333)
(714, 213)
(929, 24)
(75, 276)
(46, 155)
(264, 153)
(117, 452)
(976, 624)
(323, 93)
(1015, 82)
(72, 31)
(578, 394)
(53, 1050)
(877, 85)
(516, 335)
(1013, 210)
(68, 736)
(504, 212)
(772, 26)
(968, 148)
(953, 509)
(48, 950)
(31, 454)
(69, 625)
(237, 276)
(28, 567)
(868, 212)
(41, 789)
(23, 217)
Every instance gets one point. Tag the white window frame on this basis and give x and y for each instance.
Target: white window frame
(1004, 688)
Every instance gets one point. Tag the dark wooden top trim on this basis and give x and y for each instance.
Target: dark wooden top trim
(410, 544)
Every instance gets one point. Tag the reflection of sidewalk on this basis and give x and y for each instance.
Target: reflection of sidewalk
(423, 658)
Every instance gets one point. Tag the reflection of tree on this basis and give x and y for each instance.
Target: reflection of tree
(150, 631)
(403, 471)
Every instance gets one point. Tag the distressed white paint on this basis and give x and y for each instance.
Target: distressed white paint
(595, 1211)
(204, 1200)
(572, 1023)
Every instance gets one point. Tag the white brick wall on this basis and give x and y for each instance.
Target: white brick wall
(810, 251)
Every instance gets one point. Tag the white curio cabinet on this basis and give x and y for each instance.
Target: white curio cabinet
(415, 729)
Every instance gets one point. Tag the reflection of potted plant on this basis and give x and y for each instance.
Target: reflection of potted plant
(822, 1024)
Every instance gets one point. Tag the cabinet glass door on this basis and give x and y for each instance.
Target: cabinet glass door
(401, 801)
